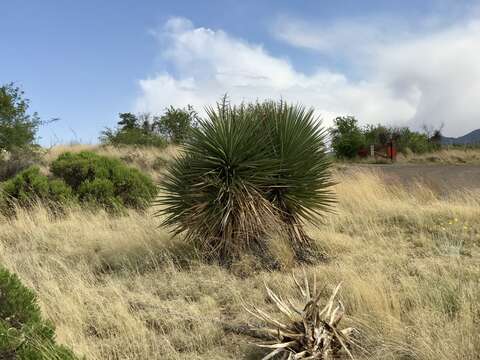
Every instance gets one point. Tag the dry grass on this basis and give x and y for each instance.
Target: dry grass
(121, 288)
(446, 156)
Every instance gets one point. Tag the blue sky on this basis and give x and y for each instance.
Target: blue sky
(403, 63)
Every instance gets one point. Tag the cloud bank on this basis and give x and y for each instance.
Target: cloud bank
(406, 78)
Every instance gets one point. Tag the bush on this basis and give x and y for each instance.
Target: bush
(378, 135)
(135, 130)
(152, 130)
(244, 171)
(23, 333)
(99, 192)
(347, 137)
(90, 178)
(416, 142)
(133, 137)
(30, 186)
(349, 140)
(104, 181)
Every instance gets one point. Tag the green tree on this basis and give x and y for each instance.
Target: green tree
(378, 135)
(134, 130)
(128, 121)
(18, 128)
(176, 123)
(347, 137)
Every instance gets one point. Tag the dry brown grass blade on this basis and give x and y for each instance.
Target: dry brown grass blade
(299, 286)
(307, 289)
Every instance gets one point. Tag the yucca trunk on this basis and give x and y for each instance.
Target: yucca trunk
(303, 246)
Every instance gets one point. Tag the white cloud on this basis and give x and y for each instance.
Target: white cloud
(341, 37)
(432, 78)
(443, 68)
(436, 70)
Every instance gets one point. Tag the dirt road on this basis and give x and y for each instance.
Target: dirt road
(442, 178)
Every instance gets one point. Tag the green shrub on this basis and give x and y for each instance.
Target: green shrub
(347, 137)
(23, 333)
(76, 168)
(377, 135)
(141, 130)
(243, 171)
(349, 140)
(99, 192)
(132, 187)
(152, 130)
(103, 180)
(416, 142)
(90, 178)
(30, 186)
(133, 137)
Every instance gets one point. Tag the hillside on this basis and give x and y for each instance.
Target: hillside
(121, 287)
(470, 138)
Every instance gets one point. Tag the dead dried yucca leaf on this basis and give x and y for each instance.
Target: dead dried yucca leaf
(308, 333)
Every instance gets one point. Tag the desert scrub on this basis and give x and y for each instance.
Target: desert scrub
(104, 181)
(23, 333)
(87, 178)
(244, 171)
(30, 186)
(122, 288)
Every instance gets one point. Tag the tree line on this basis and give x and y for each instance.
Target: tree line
(349, 140)
(19, 127)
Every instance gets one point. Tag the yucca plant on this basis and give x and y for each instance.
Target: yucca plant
(245, 171)
(301, 191)
(310, 332)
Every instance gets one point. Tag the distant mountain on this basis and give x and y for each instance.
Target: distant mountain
(471, 138)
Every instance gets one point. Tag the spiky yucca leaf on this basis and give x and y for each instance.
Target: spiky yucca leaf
(302, 188)
(303, 183)
(246, 170)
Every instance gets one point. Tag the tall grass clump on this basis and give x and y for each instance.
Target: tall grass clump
(244, 172)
